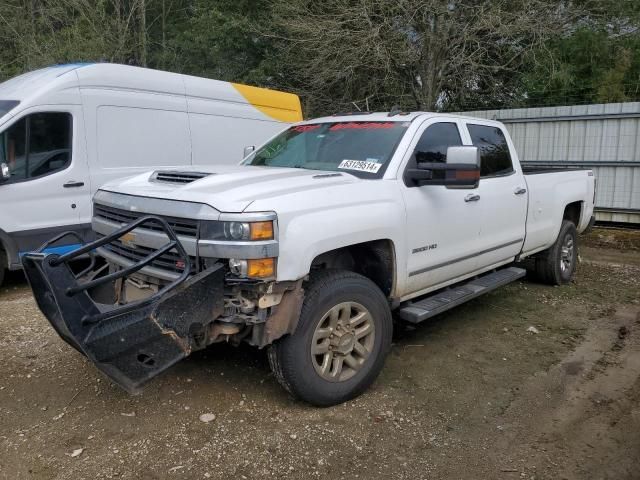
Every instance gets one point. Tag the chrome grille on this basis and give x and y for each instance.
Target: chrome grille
(181, 226)
(170, 261)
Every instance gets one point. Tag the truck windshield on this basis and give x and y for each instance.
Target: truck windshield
(360, 148)
(6, 105)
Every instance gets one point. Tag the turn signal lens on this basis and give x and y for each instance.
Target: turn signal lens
(261, 231)
(261, 268)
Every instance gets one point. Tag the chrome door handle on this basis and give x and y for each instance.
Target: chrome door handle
(472, 197)
(520, 191)
(72, 184)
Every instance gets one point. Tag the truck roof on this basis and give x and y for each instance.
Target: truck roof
(386, 117)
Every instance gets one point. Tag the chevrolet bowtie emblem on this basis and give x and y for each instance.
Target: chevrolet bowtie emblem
(128, 239)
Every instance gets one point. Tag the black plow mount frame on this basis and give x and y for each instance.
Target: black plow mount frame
(133, 342)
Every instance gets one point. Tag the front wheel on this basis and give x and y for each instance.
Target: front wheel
(340, 343)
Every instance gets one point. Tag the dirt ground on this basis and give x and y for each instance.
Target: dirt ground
(471, 394)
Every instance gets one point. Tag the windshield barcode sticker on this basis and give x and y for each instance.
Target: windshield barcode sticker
(360, 165)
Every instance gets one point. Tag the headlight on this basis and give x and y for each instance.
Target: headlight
(237, 231)
(254, 268)
(238, 267)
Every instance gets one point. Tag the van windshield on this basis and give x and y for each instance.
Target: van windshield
(362, 149)
(6, 106)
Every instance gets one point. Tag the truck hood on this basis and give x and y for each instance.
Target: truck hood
(231, 188)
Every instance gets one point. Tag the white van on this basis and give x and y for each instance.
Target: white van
(66, 130)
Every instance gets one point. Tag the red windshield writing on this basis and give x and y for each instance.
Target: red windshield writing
(305, 128)
(362, 125)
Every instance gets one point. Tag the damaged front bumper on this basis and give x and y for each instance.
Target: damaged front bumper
(133, 342)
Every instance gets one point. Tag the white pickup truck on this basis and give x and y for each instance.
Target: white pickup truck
(309, 246)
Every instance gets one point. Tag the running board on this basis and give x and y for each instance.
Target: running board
(431, 305)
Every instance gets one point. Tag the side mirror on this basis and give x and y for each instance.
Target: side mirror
(5, 173)
(464, 156)
(461, 170)
(248, 151)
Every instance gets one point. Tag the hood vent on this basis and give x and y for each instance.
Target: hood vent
(172, 176)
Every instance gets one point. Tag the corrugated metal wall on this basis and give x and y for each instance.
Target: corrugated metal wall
(603, 137)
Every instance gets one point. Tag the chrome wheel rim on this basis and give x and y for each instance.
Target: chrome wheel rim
(566, 253)
(342, 341)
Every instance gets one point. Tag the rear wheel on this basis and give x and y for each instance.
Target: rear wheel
(557, 264)
(340, 343)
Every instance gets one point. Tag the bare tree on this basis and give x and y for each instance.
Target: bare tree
(142, 30)
(423, 54)
(36, 33)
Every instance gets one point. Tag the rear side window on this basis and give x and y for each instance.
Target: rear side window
(37, 145)
(494, 151)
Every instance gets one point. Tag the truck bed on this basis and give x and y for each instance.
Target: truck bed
(535, 169)
(550, 190)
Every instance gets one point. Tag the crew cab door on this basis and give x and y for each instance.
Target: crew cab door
(502, 201)
(443, 223)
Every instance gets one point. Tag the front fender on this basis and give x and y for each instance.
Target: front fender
(304, 237)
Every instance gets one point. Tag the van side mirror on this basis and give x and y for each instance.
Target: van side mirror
(461, 170)
(5, 173)
(248, 151)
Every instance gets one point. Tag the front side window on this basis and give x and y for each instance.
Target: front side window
(37, 145)
(363, 149)
(13, 148)
(433, 145)
(495, 158)
(434, 142)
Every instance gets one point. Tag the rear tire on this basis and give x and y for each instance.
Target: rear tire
(341, 341)
(557, 264)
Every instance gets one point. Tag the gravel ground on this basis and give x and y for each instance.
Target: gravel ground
(472, 394)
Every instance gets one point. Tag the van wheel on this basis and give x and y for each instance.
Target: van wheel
(3, 265)
(340, 343)
(557, 264)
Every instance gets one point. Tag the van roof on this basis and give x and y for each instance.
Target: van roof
(22, 86)
(279, 105)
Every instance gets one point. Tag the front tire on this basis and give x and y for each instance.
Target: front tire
(341, 341)
(557, 264)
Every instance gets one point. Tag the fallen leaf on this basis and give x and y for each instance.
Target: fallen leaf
(207, 417)
(77, 452)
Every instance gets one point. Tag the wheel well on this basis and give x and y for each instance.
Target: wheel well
(374, 260)
(572, 212)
